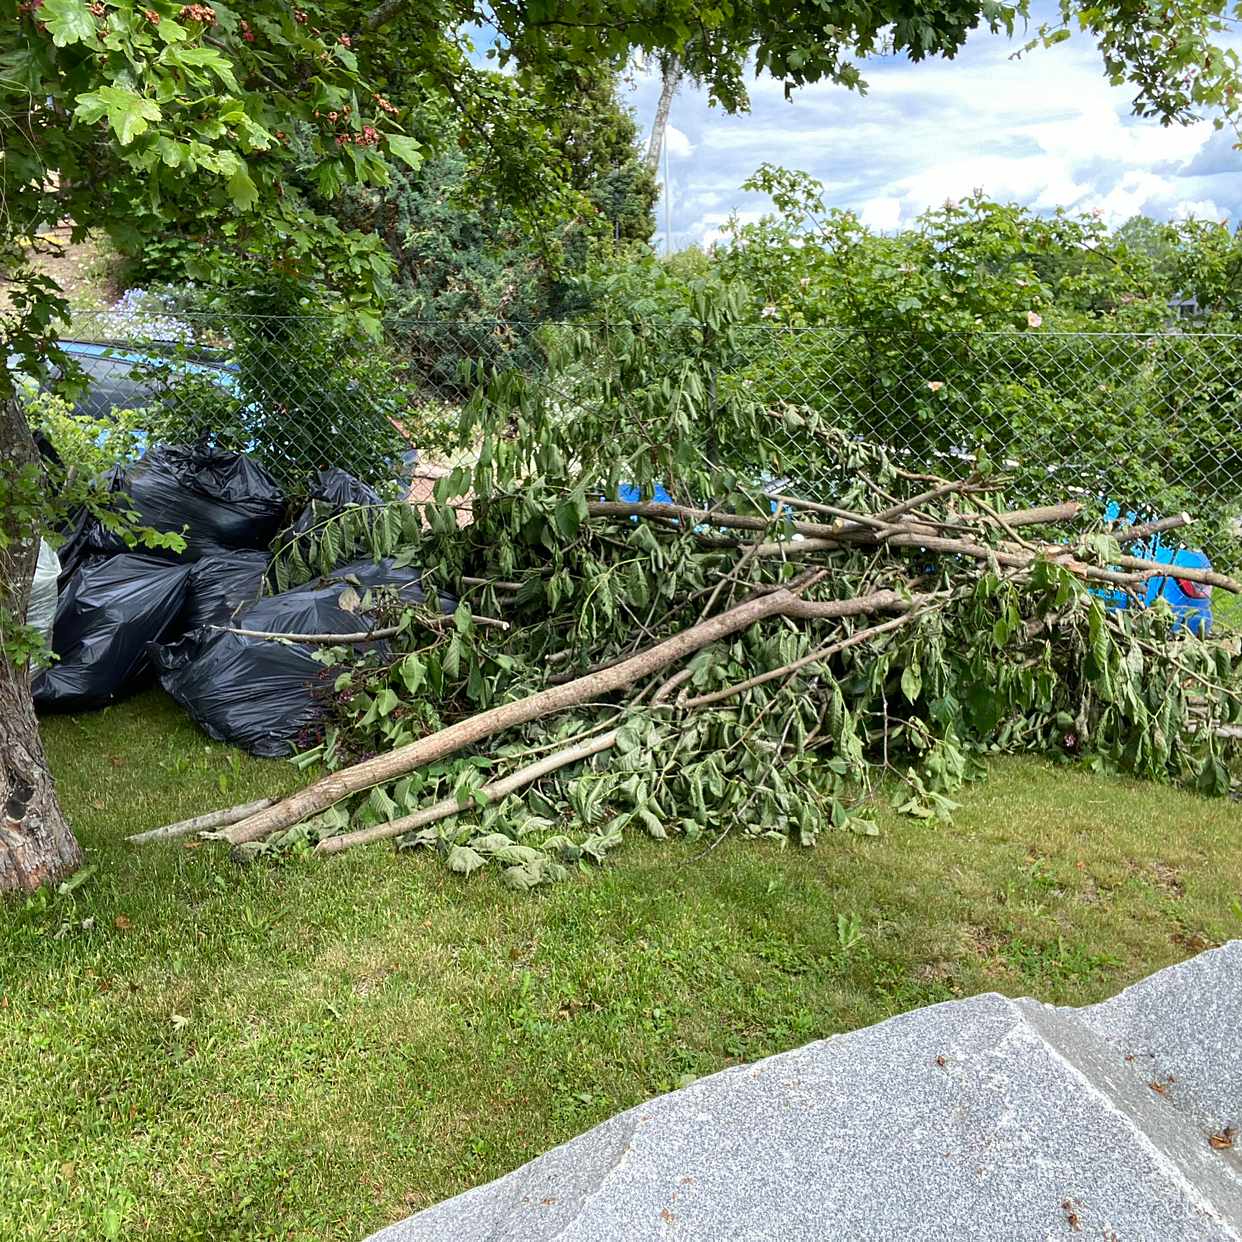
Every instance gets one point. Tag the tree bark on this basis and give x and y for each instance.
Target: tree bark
(670, 74)
(36, 843)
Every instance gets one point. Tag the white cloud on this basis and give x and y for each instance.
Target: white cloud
(679, 146)
(1197, 209)
(710, 228)
(1046, 131)
(881, 214)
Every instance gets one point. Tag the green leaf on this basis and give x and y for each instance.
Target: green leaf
(523, 878)
(651, 822)
(463, 860)
(516, 854)
(242, 189)
(127, 111)
(171, 32)
(491, 842)
(382, 804)
(406, 149)
(68, 21)
(413, 673)
(912, 682)
(568, 518)
(1213, 777)
(76, 880)
(202, 58)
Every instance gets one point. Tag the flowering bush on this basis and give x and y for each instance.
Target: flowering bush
(140, 314)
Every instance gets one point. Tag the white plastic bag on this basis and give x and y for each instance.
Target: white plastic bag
(41, 611)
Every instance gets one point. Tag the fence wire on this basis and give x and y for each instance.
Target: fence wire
(1144, 422)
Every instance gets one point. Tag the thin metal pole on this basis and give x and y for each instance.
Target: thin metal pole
(668, 203)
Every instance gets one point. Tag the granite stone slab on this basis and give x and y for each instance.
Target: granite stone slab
(985, 1118)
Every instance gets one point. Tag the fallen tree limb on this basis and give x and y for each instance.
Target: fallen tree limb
(747, 556)
(794, 586)
(813, 657)
(499, 583)
(367, 636)
(795, 547)
(330, 789)
(1144, 569)
(1015, 559)
(698, 517)
(201, 823)
(493, 790)
(917, 502)
(821, 538)
(813, 506)
(1129, 534)
(1192, 573)
(1043, 515)
(853, 528)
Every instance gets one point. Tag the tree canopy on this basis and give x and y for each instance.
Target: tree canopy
(108, 102)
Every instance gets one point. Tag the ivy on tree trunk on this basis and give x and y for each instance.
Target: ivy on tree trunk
(36, 842)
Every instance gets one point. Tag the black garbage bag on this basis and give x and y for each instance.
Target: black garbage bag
(332, 491)
(111, 609)
(261, 695)
(227, 500)
(77, 535)
(222, 585)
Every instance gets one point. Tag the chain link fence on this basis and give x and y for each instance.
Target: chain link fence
(1138, 421)
(1145, 423)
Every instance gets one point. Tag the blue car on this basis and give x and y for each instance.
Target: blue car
(1191, 601)
(111, 382)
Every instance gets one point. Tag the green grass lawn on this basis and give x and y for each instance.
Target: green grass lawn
(306, 1050)
(1227, 610)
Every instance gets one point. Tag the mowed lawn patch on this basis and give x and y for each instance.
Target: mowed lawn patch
(192, 1049)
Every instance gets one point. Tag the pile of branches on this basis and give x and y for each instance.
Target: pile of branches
(766, 666)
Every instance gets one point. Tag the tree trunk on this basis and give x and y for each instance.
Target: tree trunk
(36, 844)
(670, 73)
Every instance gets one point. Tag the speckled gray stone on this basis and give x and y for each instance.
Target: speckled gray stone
(1185, 1021)
(984, 1118)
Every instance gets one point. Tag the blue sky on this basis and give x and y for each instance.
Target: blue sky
(1044, 131)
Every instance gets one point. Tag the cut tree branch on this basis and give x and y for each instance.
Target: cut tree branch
(1131, 534)
(494, 791)
(201, 823)
(330, 789)
(1044, 515)
(368, 636)
(813, 657)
